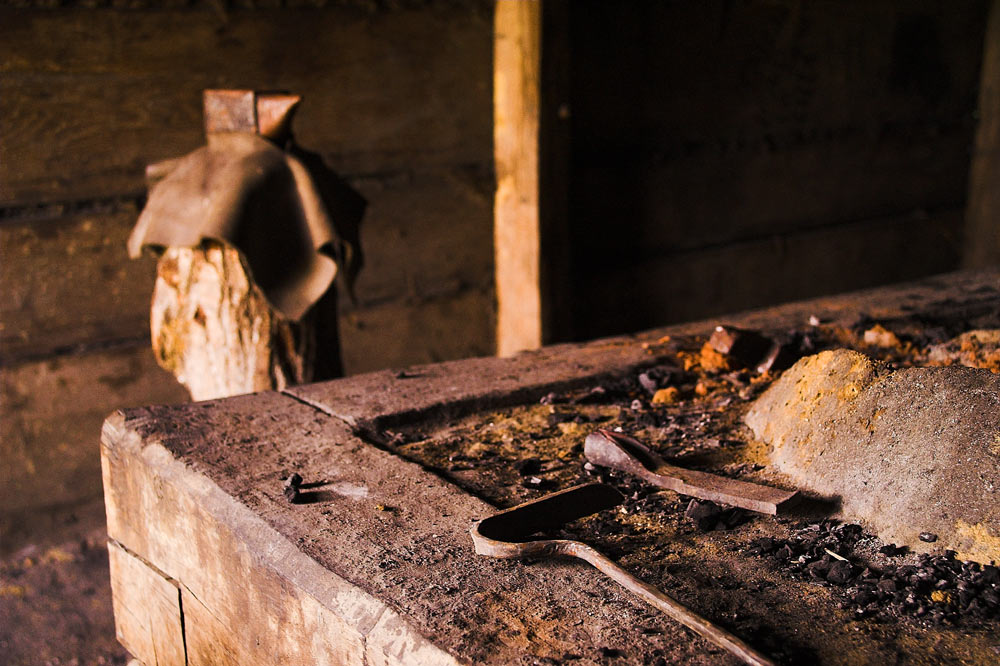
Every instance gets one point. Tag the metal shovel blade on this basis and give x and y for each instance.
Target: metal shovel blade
(617, 451)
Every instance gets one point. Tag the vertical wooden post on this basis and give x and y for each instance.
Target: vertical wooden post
(530, 112)
(982, 216)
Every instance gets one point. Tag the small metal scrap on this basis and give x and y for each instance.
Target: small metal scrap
(291, 488)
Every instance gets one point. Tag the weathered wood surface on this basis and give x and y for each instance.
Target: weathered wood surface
(423, 329)
(982, 230)
(147, 604)
(374, 564)
(69, 283)
(358, 71)
(280, 583)
(517, 227)
(214, 329)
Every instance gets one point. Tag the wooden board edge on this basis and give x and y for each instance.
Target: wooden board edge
(147, 606)
(202, 533)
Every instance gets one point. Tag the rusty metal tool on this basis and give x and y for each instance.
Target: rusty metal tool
(508, 535)
(617, 451)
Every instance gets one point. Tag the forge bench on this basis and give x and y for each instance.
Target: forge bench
(212, 565)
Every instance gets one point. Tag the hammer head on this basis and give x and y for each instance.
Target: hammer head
(508, 534)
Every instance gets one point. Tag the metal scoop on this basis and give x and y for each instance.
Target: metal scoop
(617, 451)
(508, 535)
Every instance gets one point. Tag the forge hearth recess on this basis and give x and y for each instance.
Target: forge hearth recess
(373, 563)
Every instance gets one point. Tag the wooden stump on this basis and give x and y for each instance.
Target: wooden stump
(212, 327)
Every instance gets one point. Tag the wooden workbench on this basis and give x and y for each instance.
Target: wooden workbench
(212, 565)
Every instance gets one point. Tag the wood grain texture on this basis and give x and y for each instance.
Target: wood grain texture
(982, 217)
(450, 325)
(427, 238)
(88, 98)
(50, 419)
(517, 62)
(425, 234)
(68, 281)
(250, 596)
(214, 329)
(147, 605)
(778, 269)
(281, 585)
(196, 491)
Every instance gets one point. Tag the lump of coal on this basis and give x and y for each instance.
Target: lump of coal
(708, 516)
(747, 347)
(528, 466)
(891, 445)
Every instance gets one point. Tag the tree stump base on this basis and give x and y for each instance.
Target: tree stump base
(212, 327)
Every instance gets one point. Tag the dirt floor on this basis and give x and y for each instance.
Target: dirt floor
(55, 605)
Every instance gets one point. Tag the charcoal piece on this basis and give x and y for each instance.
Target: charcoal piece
(555, 418)
(747, 347)
(928, 537)
(647, 382)
(818, 569)
(703, 513)
(892, 550)
(528, 466)
(840, 572)
(536, 483)
(294, 480)
(864, 597)
(292, 494)
(552, 399)
(598, 394)
(886, 586)
(780, 356)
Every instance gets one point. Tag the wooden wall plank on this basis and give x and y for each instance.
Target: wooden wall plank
(68, 281)
(395, 335)
(147, 604)
(531, 142)
(982, 225)
(755, 120)
(766, 117)
(426, 235)
(779, 269)
(88, 98)
(50, 422)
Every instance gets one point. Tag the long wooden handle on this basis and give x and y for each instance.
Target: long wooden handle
(667, 604)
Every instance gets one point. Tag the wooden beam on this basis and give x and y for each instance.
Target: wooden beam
(148, 617)
(982, 221)
(529, 114)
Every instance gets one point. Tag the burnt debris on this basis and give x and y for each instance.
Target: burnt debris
(934, 589)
